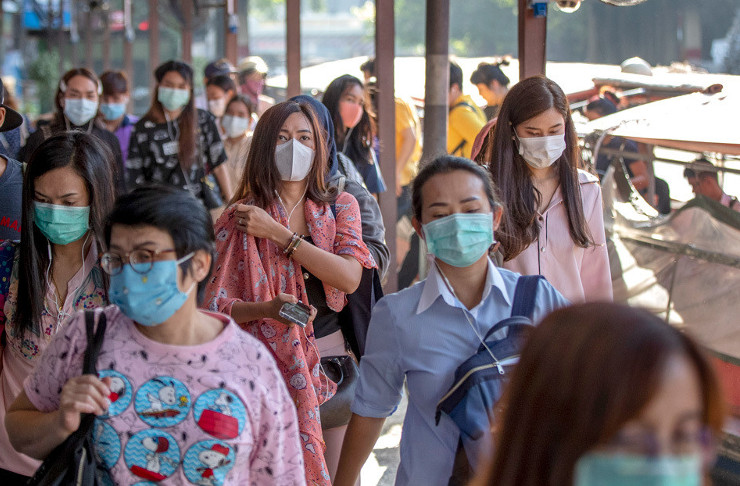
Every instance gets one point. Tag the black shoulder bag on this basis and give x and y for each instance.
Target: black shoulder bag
(74, 461)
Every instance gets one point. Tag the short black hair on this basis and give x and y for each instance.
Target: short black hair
(114, 83)
(602, 106)
(486, 73)
(444, 165)
(170, 209)
(456, 75)
(223, 81)
(368, 66)
(695, 170)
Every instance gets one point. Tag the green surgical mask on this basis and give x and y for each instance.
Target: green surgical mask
(637, 470)
(173, 99)
(460, 239)
(61, 224)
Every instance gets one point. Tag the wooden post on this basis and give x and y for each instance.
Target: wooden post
(187, 31)
(128, 52)
(88, 40)
(293, 46)
(106, 40)
(437, 88)
(231, 32)
(532, 41)
(385, 33)
(153, 36)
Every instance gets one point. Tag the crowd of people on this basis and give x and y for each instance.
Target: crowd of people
(234, 249)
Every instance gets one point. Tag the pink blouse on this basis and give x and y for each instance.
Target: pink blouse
(580, 274)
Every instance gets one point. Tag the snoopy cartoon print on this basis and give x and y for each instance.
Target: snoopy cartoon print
(220, 413)
(152, 454)
(121, 392)
(162, 402)
(208, 462)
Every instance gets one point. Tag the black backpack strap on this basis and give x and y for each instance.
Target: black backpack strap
(94, 341)
(525, 295)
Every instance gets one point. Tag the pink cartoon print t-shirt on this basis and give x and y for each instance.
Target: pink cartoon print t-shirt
(213, 414)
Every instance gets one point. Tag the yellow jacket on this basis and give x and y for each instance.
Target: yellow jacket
(465, 122)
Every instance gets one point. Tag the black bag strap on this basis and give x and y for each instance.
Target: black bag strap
(94, 341)
(525, 294)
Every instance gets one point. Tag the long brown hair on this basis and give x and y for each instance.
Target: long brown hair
(585, 372)
(187, 121)
(62, 88)
(261, 178)
(511, 174)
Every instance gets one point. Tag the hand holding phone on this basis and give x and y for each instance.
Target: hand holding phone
(298, 313)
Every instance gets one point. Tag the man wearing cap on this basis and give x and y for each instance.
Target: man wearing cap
(702, 175)
(252, 75)
(219, 67)
(11, 177)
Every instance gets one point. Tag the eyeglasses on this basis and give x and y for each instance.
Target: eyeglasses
(141, 261)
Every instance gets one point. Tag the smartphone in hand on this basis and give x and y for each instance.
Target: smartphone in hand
(297, 313)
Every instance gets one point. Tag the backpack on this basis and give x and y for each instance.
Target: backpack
(480, 381)
(461, 144)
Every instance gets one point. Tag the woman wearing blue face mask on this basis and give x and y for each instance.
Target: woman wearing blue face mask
(176, 143)
(113, 104)
(554, 223)
(607, 395)
(420, 335)
(76, 103)
(291, 239)
(68, 191)
(182, 395)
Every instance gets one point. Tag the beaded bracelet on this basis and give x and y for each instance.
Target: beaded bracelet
(295, 247)
(295, 240)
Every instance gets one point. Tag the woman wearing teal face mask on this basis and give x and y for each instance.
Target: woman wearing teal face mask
(76, 104)
(182, 395)
(421, 334)
(176, 143)
(67, 193)
(607, 395)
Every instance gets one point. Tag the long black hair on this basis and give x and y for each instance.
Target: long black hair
(91, 160)
(188, 118)
(359, 145)
(163, 207)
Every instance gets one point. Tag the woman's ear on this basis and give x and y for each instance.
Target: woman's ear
(417, 227)
(201, 265)
(498, 212)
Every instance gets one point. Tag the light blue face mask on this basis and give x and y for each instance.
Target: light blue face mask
(80, 111)
(112, 111)
(460, 239)
(173, 99)
(636, 470)
(61, 224)
(152, 297)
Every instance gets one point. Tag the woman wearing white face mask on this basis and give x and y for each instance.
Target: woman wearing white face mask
(177, 144)
(76, 105)
(237, 137)
(280, 243)
(554, 224)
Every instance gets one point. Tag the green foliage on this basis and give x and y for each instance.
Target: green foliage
(44, 71)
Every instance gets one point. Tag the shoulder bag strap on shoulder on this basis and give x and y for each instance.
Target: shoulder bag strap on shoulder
(525, 295)
(94, 340)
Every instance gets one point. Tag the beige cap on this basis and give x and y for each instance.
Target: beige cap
(252, 63)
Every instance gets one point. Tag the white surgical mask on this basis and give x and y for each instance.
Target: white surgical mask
(235, 126)
(80, 111)
(293, 160)
(217, 107)
(541, 152)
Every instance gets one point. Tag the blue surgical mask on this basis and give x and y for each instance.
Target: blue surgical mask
(636, 470)
(112, 111)
(150, 298)
(80, 111)
(173, 99)
(460, 239)
(61, 224)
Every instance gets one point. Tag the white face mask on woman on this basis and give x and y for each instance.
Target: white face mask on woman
(541, 152)
(293, 160)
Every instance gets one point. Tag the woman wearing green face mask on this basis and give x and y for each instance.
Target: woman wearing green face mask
(76, 104)
(177, 144)
(421, 334)
(67, 193)
(607, 395)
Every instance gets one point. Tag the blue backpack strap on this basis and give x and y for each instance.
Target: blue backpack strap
(525, 295)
